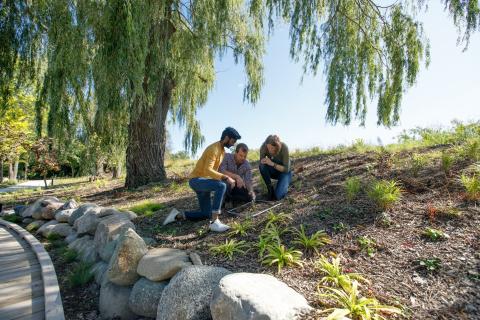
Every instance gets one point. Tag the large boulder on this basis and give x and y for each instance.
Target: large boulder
(109, 229)
(47, 227)
(87, 224)
(106, 252)
(114, 302)
(61, 229)
(43, 208)
(35, 225)
(18, 209)
(188, 295)
(99, 271)
(70, 204)
(112, 211)
(27, 220)
(145, 296)
(63, 215)
(162, 263)
(122, 268)
(251, 296)
(71, 237)
(85, 246)
(80, 211)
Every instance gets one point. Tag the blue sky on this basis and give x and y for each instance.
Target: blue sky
(449, 89)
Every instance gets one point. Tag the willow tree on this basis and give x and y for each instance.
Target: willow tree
(135, 62)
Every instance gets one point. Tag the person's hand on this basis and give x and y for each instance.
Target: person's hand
(252, 194)
(231, 182)
(240, 182)
(267, 161)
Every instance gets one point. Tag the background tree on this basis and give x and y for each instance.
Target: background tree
(45, 158)
(134, 62)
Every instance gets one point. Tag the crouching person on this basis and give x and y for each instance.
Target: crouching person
(236, 166)
(206, 179)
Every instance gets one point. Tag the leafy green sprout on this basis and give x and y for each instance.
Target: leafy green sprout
(281, 256)
(434, 234)
(385, 193)
(241, 228)
(277, 218)
(334, 273)
(350, 303)
(230, 248)
(80, 275)
(446, 162)
(352, 188)
(471, 185)
(313, 242)
(367, 245)
(340, 227)
(430, 264)
(417, 163)
(274, 232)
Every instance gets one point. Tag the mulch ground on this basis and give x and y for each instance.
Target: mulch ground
(317, 200)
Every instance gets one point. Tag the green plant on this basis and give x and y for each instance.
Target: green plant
(471, 185)
(80, 275)
(430, 264)
(352, 188)
(277, 218)
(385, 193)
(230, 248)
(351, 303)
(434, 234)
(446, 162)
(274, 233)
(313, 242)
(340, 227)
(146, 208)
(281, 256)
(471, 150)
(324, 213)
(69, 255)
(51, 236)
(417, 163)
(241, 228)
(13, 218)
(367, 245)
(334, 274)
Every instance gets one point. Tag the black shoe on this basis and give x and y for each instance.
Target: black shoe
(271, 193)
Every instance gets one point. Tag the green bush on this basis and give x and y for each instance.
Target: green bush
(471, 185)
(352, 188)
(385, 193)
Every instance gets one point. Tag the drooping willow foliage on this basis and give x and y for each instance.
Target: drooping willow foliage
(100, 63)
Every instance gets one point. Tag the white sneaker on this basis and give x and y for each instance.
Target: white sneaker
(171, 216)
(218, 226)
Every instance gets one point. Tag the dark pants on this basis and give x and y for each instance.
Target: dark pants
(237, 195)
(284, 178)
(203, 188)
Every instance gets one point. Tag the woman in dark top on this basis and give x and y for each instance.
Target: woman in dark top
(275, 164)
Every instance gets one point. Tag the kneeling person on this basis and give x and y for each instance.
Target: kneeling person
(236, 166)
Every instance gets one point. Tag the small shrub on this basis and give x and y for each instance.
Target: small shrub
(352, 188)
(52, 237)
(277, 218)
(281, 256)
(369, 246)
(241, 228)
(69, 255)
(351, 303)
(334, 274)
(274, 233)
(313, 242)
(80, 275)
(13, 218)
(385, 193)
(434, 234)
(229, 248)
(430, 264)
(471, 150)
(417, 163)
(446, 162)
(471, 185)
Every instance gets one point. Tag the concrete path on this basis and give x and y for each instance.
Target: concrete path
(31, 184)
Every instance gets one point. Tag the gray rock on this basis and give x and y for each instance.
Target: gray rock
(5, 213)
(47, 227)
(87, 224)
(188, 295)
(27, 220)
(80, 211)
(42, 208)
(106, 252)
(112, 211)
(85, 247)
(145, 296)
(162, 263)
(18, 209)
(109, 229)
(195, 258)
(149, 241)
(122, 268)
(98, 270)
(61, 229)
(250, 296)
(63, 215)
(35, 225)
(72, 237)
(70, 204)
(114, 302)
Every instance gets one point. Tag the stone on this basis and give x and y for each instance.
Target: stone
(18, 209)
(122, 268)
(70, 204)
(114, 302)
(162, 263)
(149, 241)
(109, 229)
(98, 270)
(63, 215)
(35, 225)
(195, 258)
(46, 227)
(27, 220)
(80, 211)
(42, 208)
(145, 296)
(61, 229)
(188, 295)
(70, 238)
(85, 247)
(87, 224)
(112, 211)
(106, 252)
(254, 296)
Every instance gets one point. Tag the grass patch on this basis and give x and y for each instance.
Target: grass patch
(146, 208)
(69, 255)
(80, 275)
(13, 218)
(352, 188)
(385, 193)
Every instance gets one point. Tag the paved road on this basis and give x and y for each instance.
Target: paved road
(31, 184)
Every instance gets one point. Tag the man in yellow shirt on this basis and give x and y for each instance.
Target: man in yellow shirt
(205, 179)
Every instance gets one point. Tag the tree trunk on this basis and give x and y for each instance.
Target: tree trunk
(45, 181)
(15, 170)
(11, 176)
(26, 170)
(116, 171)
(147, 141)
(1, 171)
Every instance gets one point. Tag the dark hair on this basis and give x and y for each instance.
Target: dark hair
(274, 140)
(241, 146)
(231, 133)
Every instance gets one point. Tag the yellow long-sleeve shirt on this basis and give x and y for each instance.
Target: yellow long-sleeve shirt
(208, 164)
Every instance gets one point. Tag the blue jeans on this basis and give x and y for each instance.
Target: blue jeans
(204, 187)
(284, 178)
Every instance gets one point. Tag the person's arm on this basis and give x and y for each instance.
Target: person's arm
(248, 178)
(211, 158)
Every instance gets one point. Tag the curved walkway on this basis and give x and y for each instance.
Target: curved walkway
(28, 283)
